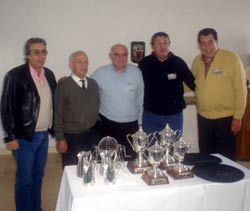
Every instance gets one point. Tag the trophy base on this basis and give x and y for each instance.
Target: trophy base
(166, 166)
(135, 168)
(173, 172)
(149, 180)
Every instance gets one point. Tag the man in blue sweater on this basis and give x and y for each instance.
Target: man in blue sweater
(121, 96)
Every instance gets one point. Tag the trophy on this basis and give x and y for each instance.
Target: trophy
(85, 167)
(155, 176)
(167, 138)
(110, 153)
(180, 171)
(138, 144)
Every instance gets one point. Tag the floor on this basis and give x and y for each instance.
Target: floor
(51, 181)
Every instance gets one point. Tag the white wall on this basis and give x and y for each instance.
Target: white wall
(95, 25)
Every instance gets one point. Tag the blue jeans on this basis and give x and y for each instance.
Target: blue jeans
(153, 122)
(30, 159)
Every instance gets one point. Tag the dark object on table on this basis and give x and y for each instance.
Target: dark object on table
(197, 159)
(218, 173)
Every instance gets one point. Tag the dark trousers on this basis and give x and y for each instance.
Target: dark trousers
(215, 136)
(119, 131)
(30, 159)
(76, 143)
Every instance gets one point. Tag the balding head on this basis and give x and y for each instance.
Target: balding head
(75, 54)
(119, 56)
(118, 46)
(78, 63)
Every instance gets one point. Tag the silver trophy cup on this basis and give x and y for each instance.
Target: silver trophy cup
(180, 171)
(138, 142)
(167, 137)
(155, 176)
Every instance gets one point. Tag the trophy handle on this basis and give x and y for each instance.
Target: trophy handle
(145, 154)
(123, 150)
(114, 153)
(90, 157)
(131, 144)
(95, 154)
(177, 135)
(156, 135)
(79, 155)
(153, 136)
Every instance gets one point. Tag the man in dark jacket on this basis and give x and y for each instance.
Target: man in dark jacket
(27, 113)
(163, 74)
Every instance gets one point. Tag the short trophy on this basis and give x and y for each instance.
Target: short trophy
(180, 171)
(155, 176)
(109, 151)
(138, 144)
(85, 167)
(167, 137)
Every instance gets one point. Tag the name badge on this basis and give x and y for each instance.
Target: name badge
(217, 71)
(172, 76)
(129, 88)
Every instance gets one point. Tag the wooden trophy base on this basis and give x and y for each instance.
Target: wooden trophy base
(180, 175)
(154, 181)
(166, 166)
(134, 167)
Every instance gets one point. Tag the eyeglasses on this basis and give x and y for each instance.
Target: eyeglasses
(116, 55)
(38, 53)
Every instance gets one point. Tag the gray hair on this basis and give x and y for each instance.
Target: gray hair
(76, 53)
(31, 41)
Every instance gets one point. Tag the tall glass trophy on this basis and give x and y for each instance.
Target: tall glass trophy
(85, 167)
(180, 171)
(155, 176)
(111, 161)
(138, 142)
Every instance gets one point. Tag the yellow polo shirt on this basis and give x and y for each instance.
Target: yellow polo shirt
(223, 92)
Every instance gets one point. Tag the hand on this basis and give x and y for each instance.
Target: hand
(12, 145)
(235, 126)
(62, 78)
(61, 146)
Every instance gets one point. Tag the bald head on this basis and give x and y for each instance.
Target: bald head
(118, 46)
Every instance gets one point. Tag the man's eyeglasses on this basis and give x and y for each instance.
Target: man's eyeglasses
(116, 55)
(38, 53)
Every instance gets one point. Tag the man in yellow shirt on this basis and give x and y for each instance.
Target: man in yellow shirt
(220, 95)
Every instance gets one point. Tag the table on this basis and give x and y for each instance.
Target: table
(131, 193)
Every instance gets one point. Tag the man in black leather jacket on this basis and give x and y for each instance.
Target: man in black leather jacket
(27, 115)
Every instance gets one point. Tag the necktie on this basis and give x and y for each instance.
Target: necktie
(83, 84)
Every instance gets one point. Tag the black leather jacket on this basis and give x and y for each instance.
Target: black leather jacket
(20, 102)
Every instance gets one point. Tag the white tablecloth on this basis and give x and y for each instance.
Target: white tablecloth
(131, 193)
